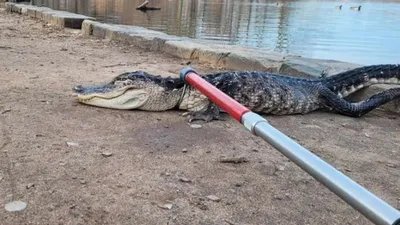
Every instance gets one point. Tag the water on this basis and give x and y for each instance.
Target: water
(314, 29)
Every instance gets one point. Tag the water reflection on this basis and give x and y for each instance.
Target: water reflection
(309, 28)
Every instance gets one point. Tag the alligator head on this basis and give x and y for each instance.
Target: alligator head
(133, 90)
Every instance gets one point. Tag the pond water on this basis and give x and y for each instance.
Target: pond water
(315, 29)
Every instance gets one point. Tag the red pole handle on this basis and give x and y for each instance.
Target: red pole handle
(221, 99)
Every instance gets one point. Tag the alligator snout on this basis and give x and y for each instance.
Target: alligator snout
(78, 89)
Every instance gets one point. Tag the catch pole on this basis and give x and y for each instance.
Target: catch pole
(372, 207)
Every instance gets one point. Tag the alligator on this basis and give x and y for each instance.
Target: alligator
(261, 92)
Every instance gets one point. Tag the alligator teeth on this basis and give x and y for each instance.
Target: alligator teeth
(373, 80)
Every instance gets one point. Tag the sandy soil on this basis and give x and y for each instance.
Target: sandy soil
(157, 159)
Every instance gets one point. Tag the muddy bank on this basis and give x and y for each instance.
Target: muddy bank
(130, 167)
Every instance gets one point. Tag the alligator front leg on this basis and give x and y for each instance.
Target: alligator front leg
(212, 112)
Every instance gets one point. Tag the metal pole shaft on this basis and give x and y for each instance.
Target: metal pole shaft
(373, 208)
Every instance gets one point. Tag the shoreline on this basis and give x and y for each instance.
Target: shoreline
(221, 56)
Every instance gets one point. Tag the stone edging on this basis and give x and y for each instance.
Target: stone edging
(56, 18)
(223, 56)
(218, 55)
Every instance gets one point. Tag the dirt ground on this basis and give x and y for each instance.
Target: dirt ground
(129, 167)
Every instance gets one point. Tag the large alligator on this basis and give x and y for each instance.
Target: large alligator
(261, 92)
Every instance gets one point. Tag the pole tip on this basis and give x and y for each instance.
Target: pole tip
(184, 73)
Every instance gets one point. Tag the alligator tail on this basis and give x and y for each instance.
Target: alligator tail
(358, 109)
(348, 82)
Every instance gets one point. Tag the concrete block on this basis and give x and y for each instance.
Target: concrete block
(9, 6)
(68, 20)
(99, 30)
(306, 67)
(87, 27)
(31, 12)
(209, 55)
(24, 10)
(240, 59)
(181, 49)
(40, 11)
(16, 8)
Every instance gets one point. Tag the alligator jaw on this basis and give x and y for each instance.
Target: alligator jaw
(104, 96)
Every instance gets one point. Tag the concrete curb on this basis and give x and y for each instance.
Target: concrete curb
(56, 18)
(229, 57)
(218, 55)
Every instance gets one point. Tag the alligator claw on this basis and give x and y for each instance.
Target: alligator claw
(206, 117)
(211, 113)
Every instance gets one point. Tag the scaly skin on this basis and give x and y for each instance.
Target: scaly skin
(261, 92)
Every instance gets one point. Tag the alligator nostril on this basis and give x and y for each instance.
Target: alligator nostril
(78, 88)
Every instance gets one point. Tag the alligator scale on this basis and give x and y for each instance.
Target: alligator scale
(261, 92)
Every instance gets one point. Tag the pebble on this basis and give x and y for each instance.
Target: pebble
(214, 198)
(5, 111)
(184, 180)
(15, 206)
(280, 168)
(1, 178)
(106, 154)
(389, 165)
(82, 181)
(30, 185)
(196, 126)
(184, 150)
(71, 144)
(367, 135)
(165, 206)
(234, 160)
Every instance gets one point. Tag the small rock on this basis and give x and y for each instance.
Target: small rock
(196, 126)
(278, 197)
(165, 206)
(15, 206)
(255, 150)
(63, 49)
(30, 185)
(184, 150)
(280, 168)
(391, 165)
(82, 181)
(71, 144)
(367, 135)
(184, 180)
(348, 170)
(214, 198)
(5, 111)
(106, 154)
(234, 160)
(1, 178)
